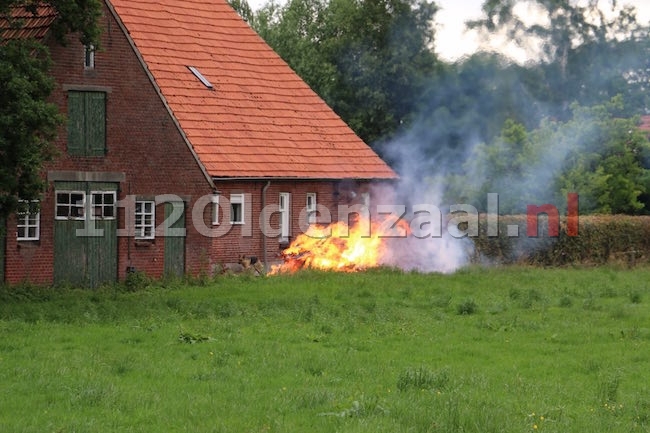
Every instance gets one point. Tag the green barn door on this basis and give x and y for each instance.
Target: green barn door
(102, 250)
(85, 234)
(175, 239)
(69, 249)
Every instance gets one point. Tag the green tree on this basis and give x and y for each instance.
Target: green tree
(612, 170)
(28, 122)
(584, 55)
(597, 154)
(243, 9)
(370, 60)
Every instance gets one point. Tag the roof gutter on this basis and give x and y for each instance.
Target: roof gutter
(159, 92)
(306, 179)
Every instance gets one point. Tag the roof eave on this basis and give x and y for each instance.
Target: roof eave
(302, 179)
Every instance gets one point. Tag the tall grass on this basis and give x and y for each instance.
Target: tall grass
(483, 350)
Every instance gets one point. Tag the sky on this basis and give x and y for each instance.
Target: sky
(453, 42)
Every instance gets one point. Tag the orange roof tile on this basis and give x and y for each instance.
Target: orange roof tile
(260, 119)
(645, 123)
(20, 23)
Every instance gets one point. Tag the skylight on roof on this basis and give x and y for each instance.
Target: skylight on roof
(201, 78)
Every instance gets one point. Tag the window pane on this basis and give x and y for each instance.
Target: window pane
(109, 211)
(235, 212)
(145, 219)
(77, 199)
(62, 198)
(27, 222)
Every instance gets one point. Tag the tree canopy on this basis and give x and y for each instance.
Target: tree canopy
(28, 122)
(604, 157)
(369, 60)
(485, 123)
(580, 51)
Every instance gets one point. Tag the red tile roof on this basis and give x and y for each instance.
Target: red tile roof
(645, 123)
(260, 119)
(23, 24)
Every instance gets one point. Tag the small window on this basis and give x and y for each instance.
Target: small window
(103, 205)
(215, 209)
(29, 222)
(145, 219)
(311, 208)
(285, 216)
(70, 205)
(89, 57)
(237, 209)
(201, 77)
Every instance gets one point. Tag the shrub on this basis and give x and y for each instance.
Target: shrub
(135, 281)
(601, 239)
(467, 307)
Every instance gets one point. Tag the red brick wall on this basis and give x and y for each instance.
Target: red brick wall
(142, 142)
(227, 248)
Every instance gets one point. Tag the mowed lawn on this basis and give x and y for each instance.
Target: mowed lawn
(482, 350)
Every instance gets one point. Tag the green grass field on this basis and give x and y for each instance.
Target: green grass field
(483, 350)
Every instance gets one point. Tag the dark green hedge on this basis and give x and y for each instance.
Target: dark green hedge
(600, 240)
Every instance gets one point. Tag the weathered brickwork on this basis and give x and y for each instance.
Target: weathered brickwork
(146, 150)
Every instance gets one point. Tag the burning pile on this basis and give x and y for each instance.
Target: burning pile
(338, 247)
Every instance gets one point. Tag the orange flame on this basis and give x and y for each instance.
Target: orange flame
(339, 247)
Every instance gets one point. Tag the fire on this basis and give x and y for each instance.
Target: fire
(339, 247)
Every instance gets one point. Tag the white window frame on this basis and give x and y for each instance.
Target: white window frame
(70, 205)
(103, 206)
(89, 57)
(237, 199)
(27, 221)
(311, 207)
(284, 207)
(145, 228)
(215, 209)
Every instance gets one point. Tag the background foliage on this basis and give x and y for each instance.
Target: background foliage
(563, 121)
(28, 121)
(602, 239)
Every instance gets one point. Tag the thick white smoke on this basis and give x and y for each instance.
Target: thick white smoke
(430, 247)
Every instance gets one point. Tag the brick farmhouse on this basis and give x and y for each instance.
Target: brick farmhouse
(181, 128)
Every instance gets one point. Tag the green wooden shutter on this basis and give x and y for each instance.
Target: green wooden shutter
(76, 128)
(95, 123)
